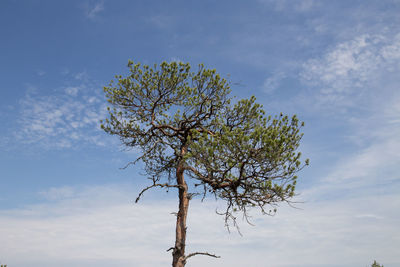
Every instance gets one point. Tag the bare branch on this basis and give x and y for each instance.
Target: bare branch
(201, 253)
(127, 165)
(155, 185)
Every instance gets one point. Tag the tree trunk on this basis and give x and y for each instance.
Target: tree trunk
(178, 253)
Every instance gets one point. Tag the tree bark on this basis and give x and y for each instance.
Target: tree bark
(178, 253)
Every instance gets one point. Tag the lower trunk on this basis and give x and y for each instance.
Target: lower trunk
(178, 253)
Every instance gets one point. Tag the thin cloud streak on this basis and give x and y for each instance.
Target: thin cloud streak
(272, 83)
(93, 11)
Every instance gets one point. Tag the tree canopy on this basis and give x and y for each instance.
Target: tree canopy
(375, 264)
(184, 121)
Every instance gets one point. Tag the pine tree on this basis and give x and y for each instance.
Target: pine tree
(375, 264)
(184, 122)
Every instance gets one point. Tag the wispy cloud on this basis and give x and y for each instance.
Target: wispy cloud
(372, 166)
(93, 10)
(281, 5)
(72, 91)
(273, 82)
(63, 119)
(356, 82)
(83, 76)
(353, 70)
(58, 193)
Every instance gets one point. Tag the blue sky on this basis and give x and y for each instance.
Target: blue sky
(64, 200)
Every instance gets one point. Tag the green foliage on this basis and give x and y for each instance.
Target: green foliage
(375, 264)
(179, 117)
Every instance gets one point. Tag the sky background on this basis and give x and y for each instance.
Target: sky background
(65, 201)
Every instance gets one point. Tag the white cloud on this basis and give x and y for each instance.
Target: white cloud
(81, 76)
(93, 11)
(354, 70)
(273, 82)
(72, 91)
(283, 5)
(99, 226)
(357, 83)
(58, 193)
(62, 119)
(368, 115)
(369, 172)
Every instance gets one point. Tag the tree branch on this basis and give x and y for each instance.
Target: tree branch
(201, 253)
(155, 185)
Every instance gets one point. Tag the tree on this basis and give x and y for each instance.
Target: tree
(183, 122)
(375, 264)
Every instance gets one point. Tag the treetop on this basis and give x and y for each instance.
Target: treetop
(179, 117)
